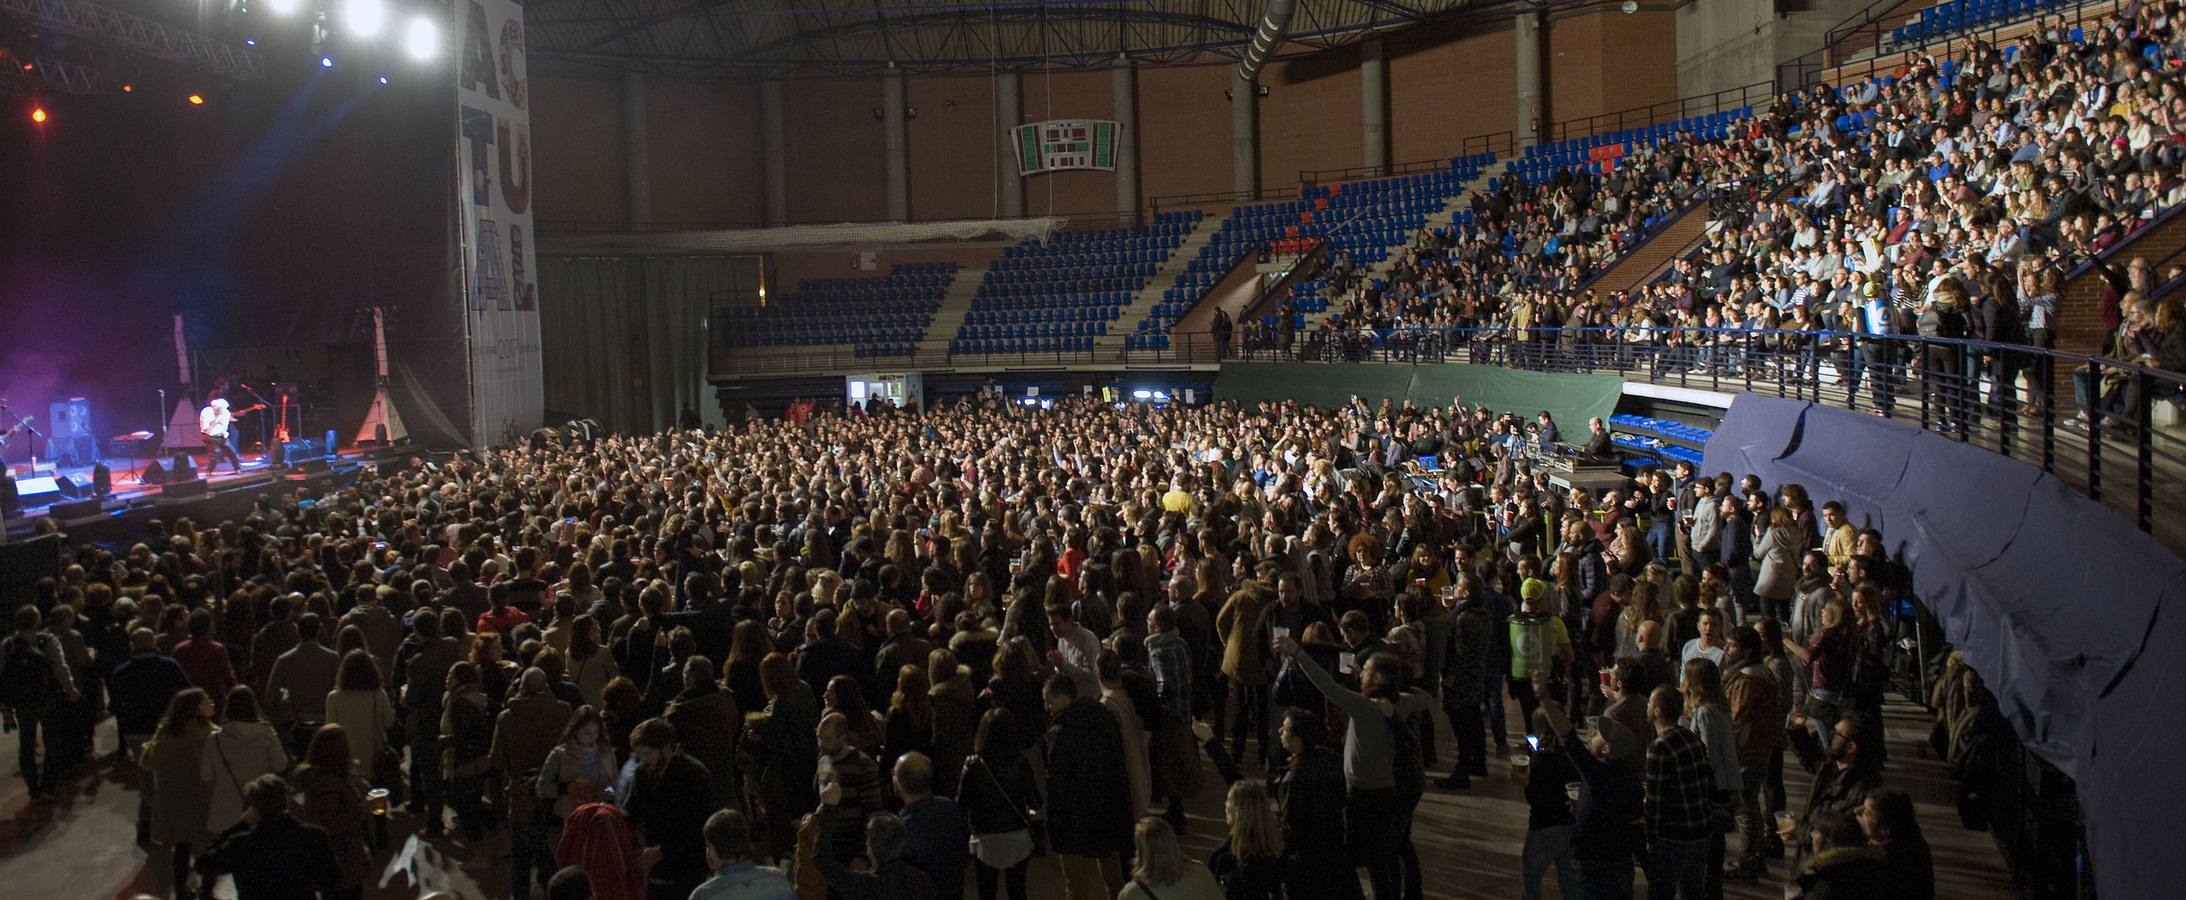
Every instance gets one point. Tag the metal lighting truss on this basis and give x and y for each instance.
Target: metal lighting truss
(138, 35)
(865, 36)
(58, 75)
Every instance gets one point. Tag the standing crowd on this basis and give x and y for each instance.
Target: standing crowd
(912, 655)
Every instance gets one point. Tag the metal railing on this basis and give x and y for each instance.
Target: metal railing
(1834, 56)
(1501, 143)
(1757, 95)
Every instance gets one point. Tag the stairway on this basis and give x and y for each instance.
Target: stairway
(933, 348)
(1163, 278)
(1656, 254)
(1441, 218)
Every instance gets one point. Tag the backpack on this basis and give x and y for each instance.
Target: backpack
(26, 677)
(1405, 766)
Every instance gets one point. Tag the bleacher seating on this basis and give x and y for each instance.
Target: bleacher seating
(878, 317)
(1954, 16)
(1361, 218)
(1666, 440)
(1061, 293)
(1600, 152)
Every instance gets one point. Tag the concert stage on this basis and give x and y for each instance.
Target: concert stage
(208, 498)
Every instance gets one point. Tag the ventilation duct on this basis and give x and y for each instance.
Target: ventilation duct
(1274, 24)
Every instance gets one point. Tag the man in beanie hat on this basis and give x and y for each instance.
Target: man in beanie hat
(1608, 802)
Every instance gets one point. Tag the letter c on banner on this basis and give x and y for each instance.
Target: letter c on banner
(513, 68)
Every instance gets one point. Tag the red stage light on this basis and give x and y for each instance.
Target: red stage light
(197, 100)
(38, 114)
(127, 88)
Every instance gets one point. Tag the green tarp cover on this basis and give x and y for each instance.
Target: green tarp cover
(1572, 399)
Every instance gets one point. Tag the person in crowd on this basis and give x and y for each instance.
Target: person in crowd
(243, 749)
(1606, 835)
(1162, 871)
(669, 802)
(1001, 803)
(1378, 749)
(181, 796)
(582, 766)
(1541, 771)
(1463, 673)
(298, 682)
(466, 747)
(1249, 862)
(1845, 773)
(36, 686)
(1089, 823)
(1310, 795)
(934, 827)
(705, 716)
(525, 733)
(422, 672)
(1886, 818)
(334, 800)
(360, 706)
(735, 876)
(1680, 785)
(271, 854)
(1707, 713)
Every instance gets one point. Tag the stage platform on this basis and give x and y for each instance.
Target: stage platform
(211, 497)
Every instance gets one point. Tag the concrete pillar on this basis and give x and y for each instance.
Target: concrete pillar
(775, 151)
(1374, 104)
(1531, 71)
(1009, 112)
(898, 144)
(636, 156)
(1245, 136)
(1127, 135)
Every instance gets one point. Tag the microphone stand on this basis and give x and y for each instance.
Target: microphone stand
(265, 449)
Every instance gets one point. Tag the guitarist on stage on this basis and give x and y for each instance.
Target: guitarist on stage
(213, 422)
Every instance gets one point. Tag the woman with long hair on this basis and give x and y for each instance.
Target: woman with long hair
(1642, 607)
(998, 797)
(1014, 687)
(590, 665)
(1708, 714)
(846, 696)
(581, 767)
(1161, 871)
(955, 704)
(181, 797)
(334, 800)
(909, 725)
(1249, 863)
(359, 705)
(241, 750)
(748, 646)
(1887, 818)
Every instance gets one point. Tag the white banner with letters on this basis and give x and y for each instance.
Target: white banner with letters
(493, 163)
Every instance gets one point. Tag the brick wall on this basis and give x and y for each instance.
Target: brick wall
(1605, 61)
(706, 160)
(1184, 130)
(837, 153)
(1445, 89)
(1310, 118)
(576, 149)
(954, 141)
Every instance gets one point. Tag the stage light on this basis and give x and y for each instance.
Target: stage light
(282, 7)
(197, 99)
(383, 79)
(38, 114)
(421, 39)
(326, 62)
(250, 42)
(364, 18)
(128, 89)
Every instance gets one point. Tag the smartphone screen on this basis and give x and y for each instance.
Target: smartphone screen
(1533, 742)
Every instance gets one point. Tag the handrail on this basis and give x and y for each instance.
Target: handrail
(1314, 260)
(1757, 95)
(1500, 143)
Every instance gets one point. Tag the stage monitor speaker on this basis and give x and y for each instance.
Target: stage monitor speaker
(37, 490)
(102, 480)
(177, 487)
(183, 468)
(72, 487)
(76, 509)
(23, 563)
(154, 473)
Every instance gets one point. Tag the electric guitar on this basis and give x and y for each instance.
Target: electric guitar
(233, 415)
(12, 429)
